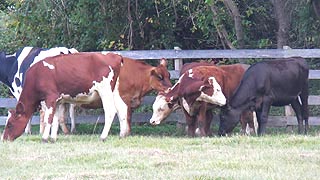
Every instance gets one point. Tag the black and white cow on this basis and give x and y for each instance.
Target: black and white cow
(13, 67)
(277, 82)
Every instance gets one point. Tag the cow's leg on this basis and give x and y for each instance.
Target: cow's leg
(247, 124)
(243, 123)
(296, 106)
(202, 119)
(60, 109)
(191, 122)
(27, 130)
(62, 119)
(50, 107)
(124, 114)
(108, 105)
(263, 116)
(251, 123)
(72, 117)
(305, 108)
(48, 116)
(124, 117)
(209, 116)
(42, 113)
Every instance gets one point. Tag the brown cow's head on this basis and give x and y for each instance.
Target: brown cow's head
(160, 77)
(162, 107)
(15, 123)
(187, 87)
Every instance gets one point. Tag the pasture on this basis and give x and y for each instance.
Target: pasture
(162, 153)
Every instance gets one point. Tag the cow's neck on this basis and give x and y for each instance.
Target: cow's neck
(243, 97)
(30, 106)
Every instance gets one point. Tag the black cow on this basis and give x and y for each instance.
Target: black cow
(270, 83)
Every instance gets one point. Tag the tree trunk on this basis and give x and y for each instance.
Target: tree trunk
(316, 7)
(234, 12)
(222, 32)
(130, 33)
(283, 16)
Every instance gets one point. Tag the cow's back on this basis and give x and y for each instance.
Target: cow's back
(71, 73)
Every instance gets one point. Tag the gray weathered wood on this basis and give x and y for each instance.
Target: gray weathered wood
(205, 54)
(313, 74)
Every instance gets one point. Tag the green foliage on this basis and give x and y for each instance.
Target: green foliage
(160, 24)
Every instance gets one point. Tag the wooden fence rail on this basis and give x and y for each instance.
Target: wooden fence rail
(178, 55)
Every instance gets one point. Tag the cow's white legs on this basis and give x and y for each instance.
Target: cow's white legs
(109, 112)
(71, 114)
(47, 126)
(105, 92)
(27, 130)
(55, 122)
(122, 111)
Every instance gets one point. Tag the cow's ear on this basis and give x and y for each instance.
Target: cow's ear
(163, 62)
(156, 74)
(20, 108)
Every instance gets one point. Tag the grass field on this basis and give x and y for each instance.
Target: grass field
(162, 153)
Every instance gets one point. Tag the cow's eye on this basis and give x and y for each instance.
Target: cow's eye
(160, 77)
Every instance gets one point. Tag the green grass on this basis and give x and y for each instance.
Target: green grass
(162, 153)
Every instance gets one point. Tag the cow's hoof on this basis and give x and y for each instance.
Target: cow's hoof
(103, 139)
(124, 134)
(53, 140)
(44, 140)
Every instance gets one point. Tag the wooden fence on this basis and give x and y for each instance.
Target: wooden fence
(178, 55)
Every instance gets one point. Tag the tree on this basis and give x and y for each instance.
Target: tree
(234, 12)
(282, 9)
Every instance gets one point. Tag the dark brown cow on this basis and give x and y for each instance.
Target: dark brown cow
(76, 78)
(201, 111)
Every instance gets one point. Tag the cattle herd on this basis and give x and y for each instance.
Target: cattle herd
(49, 79)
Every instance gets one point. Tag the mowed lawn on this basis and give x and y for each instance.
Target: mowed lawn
(162, 156)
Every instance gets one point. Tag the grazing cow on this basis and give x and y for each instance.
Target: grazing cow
(196, 89)
(74, 78)
(232, 75)
(276, 82)
(13, 68)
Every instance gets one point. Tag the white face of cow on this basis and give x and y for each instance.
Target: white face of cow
(217, 97)
(161, 110)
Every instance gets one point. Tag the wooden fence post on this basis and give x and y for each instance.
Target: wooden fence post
(177, 62)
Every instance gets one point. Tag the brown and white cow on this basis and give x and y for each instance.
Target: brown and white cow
(136, 79)
(248, 119)
(195, 88)
(197, 111)
(74, 78)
